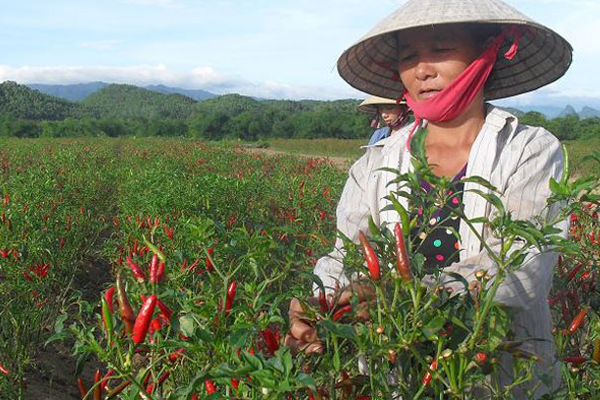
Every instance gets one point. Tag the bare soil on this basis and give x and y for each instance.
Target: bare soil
(340, 162)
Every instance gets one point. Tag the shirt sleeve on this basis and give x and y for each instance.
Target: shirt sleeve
(352, 215)
(525, 196)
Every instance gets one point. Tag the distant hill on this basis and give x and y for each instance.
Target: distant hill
(198, 95)
(568, 111)
(514, 111)
(229, 105)
(589, 112)
(22, 102)
(76, 92)
(128, 101)
(80, 91)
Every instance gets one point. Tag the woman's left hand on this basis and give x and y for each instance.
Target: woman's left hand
(366, 298)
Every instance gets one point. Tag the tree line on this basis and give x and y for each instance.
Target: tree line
(125, 110)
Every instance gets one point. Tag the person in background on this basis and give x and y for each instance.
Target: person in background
(393, 113)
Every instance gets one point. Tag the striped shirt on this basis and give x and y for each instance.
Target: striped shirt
(519, 161)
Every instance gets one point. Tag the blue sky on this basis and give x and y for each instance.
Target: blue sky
(273, 49)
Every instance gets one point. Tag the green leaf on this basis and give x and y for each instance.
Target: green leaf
(336, 361)
(254, 361)
(558, 188)
(306, 380)
(56, 337)
(340, 330)
(276, 364)
(80, 364)
(239, 337)
(60, 323)
(183, 392)
(567, 167)
(375, 231)
(431, 329)
(187, 324)
(480, 181)
(402, 213)
(492, 199)
(459, 278)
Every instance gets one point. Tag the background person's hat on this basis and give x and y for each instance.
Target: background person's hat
(543, 56)
(370, 104)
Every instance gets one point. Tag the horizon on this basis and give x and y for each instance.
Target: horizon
(223, 47)
(550, 111)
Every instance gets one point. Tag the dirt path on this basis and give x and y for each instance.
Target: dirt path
(340, 162)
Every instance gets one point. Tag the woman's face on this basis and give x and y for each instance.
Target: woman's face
(390, 112)
(431, 58)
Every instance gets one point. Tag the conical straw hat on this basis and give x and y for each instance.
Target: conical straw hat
(543, 55)
(370, 104)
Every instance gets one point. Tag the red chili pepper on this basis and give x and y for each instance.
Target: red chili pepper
(168, 231)
(155, 325)
(150, 388)
(210, 387)
(235, 383)
(370, 257)
(340, 313)
(209, 264)
(3, 369)
(578, 320)
(323, 305)
(270, 341)
(161, 272)
(104, 380)
(163, 377)
(142, 322)
(574, 272)
(97, 388)
(164, 310)
(481, 358)
(136, 270)
(177, 354)
(402, 261)
(230, 296)
(574, 360)
(154, 269)
(108, 295)
(427, 377)
(82, 388)
(4, 253)
(125, 310)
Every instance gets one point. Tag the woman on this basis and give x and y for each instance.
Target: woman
(447, 57)
(393, 113)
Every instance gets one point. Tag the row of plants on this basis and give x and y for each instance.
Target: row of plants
(208, 246)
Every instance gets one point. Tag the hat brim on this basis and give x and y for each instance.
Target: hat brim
(543, 56)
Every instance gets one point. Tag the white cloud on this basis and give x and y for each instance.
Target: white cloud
(205, 78)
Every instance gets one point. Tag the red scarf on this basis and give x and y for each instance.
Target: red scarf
(451, 102)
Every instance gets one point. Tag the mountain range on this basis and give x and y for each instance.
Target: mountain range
(82, 91)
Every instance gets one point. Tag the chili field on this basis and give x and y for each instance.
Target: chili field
(164, 269)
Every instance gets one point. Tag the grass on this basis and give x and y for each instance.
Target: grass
(350, 148)
(577, 150)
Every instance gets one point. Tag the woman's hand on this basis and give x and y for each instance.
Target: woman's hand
(302, 335)
(366, 295)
